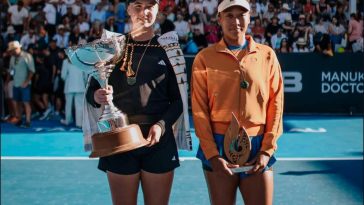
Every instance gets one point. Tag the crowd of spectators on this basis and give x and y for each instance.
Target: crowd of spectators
(45, 27)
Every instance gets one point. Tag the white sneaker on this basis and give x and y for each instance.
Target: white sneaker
(46, 114)
(5, 118)
(64, 122)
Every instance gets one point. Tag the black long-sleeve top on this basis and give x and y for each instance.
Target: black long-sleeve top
(156, 91)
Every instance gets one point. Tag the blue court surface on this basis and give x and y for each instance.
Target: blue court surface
(320, 162)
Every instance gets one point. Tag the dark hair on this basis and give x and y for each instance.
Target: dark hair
(20, 3)
(132, 1)
(287, 43)
(197, 18)
(337, 20)
(356, 17)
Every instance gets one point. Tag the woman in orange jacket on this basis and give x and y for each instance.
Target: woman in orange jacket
(239, 76)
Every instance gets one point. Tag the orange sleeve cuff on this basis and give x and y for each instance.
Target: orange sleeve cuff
(269, 144)
(210, 153)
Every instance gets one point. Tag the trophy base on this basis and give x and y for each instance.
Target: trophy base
(117, 141)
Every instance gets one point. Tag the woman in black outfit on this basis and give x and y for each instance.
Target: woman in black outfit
(143, 85)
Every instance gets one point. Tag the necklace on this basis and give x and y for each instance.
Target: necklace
(244, 84)
(236, 51)
(131, 76)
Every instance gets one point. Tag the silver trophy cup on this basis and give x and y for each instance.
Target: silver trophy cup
(97, 57)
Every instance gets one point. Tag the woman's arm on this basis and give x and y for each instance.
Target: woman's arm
(274, 124)
(175, 107)
(200, 108)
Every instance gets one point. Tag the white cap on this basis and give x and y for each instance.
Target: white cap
(229, 3)
(13, 45)
(285, 6)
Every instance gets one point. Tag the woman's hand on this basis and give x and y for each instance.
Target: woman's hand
(155, 133)
(103, 96)
(259, 163)
(221, 166)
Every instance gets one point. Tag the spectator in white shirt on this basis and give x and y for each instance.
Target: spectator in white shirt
(257, 5)
(276, 39)
(263, 6)
(269, 13)
(18, 16)
(83, 24)
(182, 28)
(61, 9)
(88, 6)
(95, 2)
(321, 26)
(195, 6)
(284, 13)
(105, 5)
(28, 39)
(61, 37)
(74, 89)
(69, 2)
(50, 11)
(98, 14)
(209, 7)
(76, 7)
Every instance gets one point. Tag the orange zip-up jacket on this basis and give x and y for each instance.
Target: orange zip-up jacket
(215, 90)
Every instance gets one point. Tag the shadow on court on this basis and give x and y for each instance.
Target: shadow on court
(300, 173)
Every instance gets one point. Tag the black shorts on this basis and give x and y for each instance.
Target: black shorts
(41, 89)
(160, 158)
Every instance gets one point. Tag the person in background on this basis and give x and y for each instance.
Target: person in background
(7, 88)
(50, 13)
(74, 91)
(276, 39)
(42, 87)
(18, 16)
(336, 32)
(61, 37)
(165, 24)
(300, 46)
(22, 64)
(76, 37)
(272, 28)
(355, 30)
(258, 28)
(110, 24)
(199, 39)
(240, 76)
(58, 86)
(120, 15)
(309, 7)
(285, 47)
(196, 23)
(182, 28)
(98, 14)
(28, 39)
(51, 55)
(212, 31)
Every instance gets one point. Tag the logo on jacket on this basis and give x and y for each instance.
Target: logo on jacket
(161, 62)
